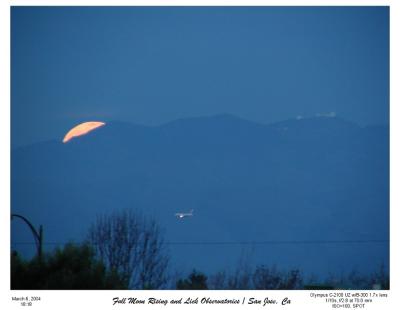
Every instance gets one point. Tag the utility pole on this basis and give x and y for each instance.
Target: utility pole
(38, 236)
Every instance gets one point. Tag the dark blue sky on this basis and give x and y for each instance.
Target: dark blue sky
(153, 65)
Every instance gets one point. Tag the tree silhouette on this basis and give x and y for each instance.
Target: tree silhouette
(129, 244)
(195, 281)
(72, 267)
(265, 278)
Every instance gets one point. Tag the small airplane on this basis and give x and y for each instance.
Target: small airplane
(182, 215)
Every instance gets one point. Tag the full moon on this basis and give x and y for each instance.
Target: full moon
(82, 129)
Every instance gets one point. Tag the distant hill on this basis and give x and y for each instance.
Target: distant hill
(314, 179)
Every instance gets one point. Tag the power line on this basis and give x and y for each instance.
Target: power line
(270, 242)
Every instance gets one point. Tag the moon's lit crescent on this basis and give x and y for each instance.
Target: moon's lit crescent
(82, 129)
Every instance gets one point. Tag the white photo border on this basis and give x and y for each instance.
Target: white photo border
(104, 299)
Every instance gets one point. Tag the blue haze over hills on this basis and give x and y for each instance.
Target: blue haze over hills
(311, 179)
(151, 65)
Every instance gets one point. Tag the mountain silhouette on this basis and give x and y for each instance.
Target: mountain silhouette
(311, 179)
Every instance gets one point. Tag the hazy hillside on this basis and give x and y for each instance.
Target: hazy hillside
(315, 179)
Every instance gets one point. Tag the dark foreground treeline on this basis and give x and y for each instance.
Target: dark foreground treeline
(76, 267)
(270, 278)
(125, 250)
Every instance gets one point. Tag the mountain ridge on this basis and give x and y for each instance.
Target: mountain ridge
(205, 120)
(329, 179)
